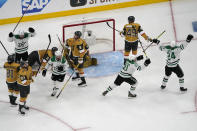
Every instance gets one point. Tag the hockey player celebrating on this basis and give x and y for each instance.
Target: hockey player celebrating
(59, 68)
(40, 58)
(126, 75)
(21, 43)
(24, 80)
(76, 49)
(130, 31)
(12, 69)
(172, 62)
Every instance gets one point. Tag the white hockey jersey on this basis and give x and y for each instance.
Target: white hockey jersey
(129, 68)
(54, 64)
(21, 45)
(90, 40)
(173, 53)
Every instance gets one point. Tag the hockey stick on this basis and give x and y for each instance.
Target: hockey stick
(143, 48)
(4, 48)
(156, 38)
(65, 84)
(49, 36)
(113, 28)
(21, 18)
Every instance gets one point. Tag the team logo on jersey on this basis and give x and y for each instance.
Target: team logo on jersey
(33, 6)
(2, 2)
(75, 3)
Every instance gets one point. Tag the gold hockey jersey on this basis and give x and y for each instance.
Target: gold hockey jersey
(78, 47)
(12, 71)
(130, 31)
(25, 76)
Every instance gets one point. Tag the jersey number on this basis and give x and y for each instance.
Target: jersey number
(132, 32)
(171, 55)
(10, 73)
(126, 66)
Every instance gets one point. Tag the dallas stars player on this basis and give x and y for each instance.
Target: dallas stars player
(172, 62)
(126, 75)
(21, 43)
(59, 68)
(12, 69)
(130, 31)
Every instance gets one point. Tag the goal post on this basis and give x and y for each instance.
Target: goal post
(98, 25)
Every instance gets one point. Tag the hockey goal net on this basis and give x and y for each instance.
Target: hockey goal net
(102, 29)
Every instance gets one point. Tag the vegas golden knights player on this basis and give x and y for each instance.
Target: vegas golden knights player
(130, 32)
(76, 49)
(24, 80)
(12, 69)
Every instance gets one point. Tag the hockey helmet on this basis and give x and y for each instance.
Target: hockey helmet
(132, 57)
(172, 43)
(78, 34)
(54, 49)
(11, 58)
(21, 34)
(131, 19)
(58, 55)
(89, 33)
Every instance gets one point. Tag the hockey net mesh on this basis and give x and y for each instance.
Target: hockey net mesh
(105, 36)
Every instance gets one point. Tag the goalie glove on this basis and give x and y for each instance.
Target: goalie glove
(44, 72)
(189, 38)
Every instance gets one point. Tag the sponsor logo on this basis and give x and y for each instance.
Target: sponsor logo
(2, 2)
(76, 3)
(33, 6)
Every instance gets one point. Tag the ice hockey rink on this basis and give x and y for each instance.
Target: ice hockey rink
(85, 108)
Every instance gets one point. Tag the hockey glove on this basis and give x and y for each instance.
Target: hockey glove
(11, 34)
(140, 57)
(156, 41)
(147, 62)
(44, 72)
(189, 38)
(60, 68)
(31, 30)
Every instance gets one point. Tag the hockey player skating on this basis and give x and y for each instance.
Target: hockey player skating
(12, 69)
(24, 80)
(130, 31)
(172, 61)
(39, 58)
(76, 49)
(21, 43)
(126, 75)
(59, 67)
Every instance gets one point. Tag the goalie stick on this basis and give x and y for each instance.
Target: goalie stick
(49, 36)
(4, 48)
(65, 84)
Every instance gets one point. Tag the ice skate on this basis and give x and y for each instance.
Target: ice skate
(163, 87)
(130, 95)
(54, 91)
(182, 89)
(21, 110)
(105, 92)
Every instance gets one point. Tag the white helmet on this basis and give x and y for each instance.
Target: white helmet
(132, 57)
(172, 43)
(58, 53)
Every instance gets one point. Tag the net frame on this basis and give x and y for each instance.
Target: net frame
(92, 21)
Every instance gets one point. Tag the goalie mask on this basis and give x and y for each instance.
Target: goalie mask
(89, 33)
(58, 55)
